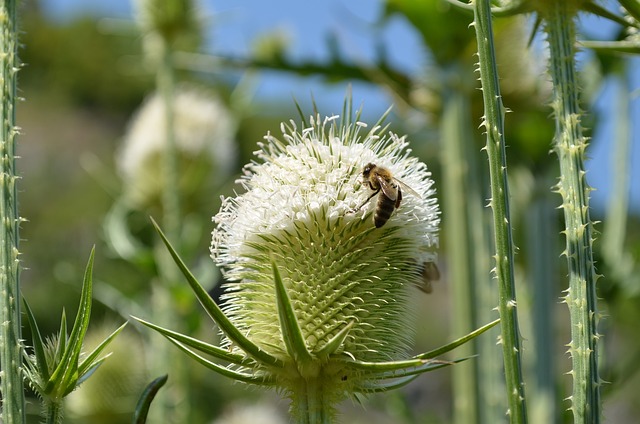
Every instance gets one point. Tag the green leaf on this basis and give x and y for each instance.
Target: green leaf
(454, 344)
(63, 337)
(199, 345)
(118, 235)
(88, 373)
(393, 366)
(383, 386)
(596, 9)
(629, 47)
(633, 7)
(66, 373)
(335, 342)
(144, 403)
(89, 360)
(38, 343)
(215, 312)
(291, 332)
(428, 366)
(236, 375)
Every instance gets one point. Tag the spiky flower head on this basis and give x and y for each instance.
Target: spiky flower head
(300, 215)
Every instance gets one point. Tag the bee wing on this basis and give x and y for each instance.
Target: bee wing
(387, 188)
(407, 188)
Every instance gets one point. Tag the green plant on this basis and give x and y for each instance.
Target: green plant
(316, 304)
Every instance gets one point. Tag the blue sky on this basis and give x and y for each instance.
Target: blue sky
(236, 23)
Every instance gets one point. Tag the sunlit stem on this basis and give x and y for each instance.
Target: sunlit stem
(570, 145)
(12, 391)
(494, 127)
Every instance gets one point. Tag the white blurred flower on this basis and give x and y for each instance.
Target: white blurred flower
(204, 131)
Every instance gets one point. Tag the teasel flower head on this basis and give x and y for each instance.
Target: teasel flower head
(299, 212)
(204, 142)
(317, 298)
(299, 215)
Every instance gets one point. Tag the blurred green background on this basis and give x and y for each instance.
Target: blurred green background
(85, 77)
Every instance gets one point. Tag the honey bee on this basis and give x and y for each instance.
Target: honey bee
(430, 273)
(389, 188)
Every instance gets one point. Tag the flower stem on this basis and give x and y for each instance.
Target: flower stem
(165, 81)
(456, 179)
(494, 125)
(13, 401)
(570, 145)
(542, 257)
(176, 393)
(309, 403)
(620, 262)
(53, 412)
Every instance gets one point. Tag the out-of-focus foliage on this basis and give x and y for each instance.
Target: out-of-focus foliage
(78, 63)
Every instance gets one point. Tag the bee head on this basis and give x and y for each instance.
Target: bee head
(367, 169)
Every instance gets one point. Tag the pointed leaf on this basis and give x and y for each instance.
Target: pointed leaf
(117, 232)
(596, 9)
(235, 375)
(291, 332)
(534, 30)
(63, 337)
(38, 343)
(90, 358)
(383, 386)
(454, 344)
(428, 366)
(144, 403)
(629, 47)
(199, 345)
(89, 372)
(335, 342)
(215, 312)
(67, 369)
(392, 366)
(633, 7)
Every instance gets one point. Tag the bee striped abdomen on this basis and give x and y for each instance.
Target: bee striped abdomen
(384, 210)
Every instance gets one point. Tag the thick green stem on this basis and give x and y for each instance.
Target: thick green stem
(542, 257)
(10, 335)
(53, 411)
(171, 194)
(457, 136)
(620, 262)
(176, 406)
(311, 402)
(494, 126)
(570, 145)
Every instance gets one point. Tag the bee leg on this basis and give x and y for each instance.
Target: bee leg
(365, 202)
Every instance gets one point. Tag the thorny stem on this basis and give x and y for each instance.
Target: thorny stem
(494, 125)
(53, 412)
(13, 401)
(570, 145)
